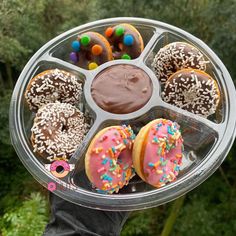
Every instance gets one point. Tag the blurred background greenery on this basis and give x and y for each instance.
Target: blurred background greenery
(27, 25)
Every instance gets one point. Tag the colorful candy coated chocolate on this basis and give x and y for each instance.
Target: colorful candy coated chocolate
(85, 39)
(74, 57)
(120, 31)
(96, 50)
(109, 32)
(128, 40)
(126, 57)
(75, 45)
(92, 66)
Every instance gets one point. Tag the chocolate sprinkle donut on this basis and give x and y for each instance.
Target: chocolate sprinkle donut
(58, 129)
(192, 90)
(53, 85)
(176, 56)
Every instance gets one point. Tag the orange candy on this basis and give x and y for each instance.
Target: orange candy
(109, 32)
(96, 50)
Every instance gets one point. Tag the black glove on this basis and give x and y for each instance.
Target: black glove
(68, 219)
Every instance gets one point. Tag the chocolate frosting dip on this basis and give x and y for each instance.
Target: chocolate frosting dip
(121, 89)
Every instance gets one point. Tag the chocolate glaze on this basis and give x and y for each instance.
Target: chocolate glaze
(192, 90)
(176, 56)
(118, 48)
(51, 86)
(121, 89)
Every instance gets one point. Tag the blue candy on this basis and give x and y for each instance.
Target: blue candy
(76, 46)
(128, 40)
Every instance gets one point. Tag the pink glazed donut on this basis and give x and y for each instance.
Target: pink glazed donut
(108, 161)
(157, 152)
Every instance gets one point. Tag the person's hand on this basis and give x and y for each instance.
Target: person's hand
(68, 219)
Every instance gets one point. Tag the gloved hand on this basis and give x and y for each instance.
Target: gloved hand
(68, 219)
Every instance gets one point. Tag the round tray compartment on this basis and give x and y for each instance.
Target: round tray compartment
(206, 141)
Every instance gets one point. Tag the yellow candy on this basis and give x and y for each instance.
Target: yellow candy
(92, 66)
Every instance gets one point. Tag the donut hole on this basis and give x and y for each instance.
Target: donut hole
(120, 157)
(59, 169)
(63, 128)
(124, 158)
(118, 47)
(88, 56)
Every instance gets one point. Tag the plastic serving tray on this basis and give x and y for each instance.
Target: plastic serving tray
(206, 141)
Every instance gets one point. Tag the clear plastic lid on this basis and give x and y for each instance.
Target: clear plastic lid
(206, 141)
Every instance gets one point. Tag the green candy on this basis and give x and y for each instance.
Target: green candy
(119, 31)
(85, 39)
(126, 56)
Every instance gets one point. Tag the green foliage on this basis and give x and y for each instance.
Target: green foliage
(146, 222)
(12, 50)
(209, 211)
(28, 219)
(25, 27)
(138, 224)
(7, 154)
(4, 114)
(74, 13)
(21, 30)
(16, 180)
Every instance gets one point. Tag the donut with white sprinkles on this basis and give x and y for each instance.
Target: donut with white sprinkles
(51, 86)
(192, 90)
(58, 130)
(176, 56)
